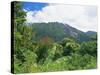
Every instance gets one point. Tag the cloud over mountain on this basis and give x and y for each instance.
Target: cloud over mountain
(81, 17)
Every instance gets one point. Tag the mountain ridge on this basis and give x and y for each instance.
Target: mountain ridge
(58, 31)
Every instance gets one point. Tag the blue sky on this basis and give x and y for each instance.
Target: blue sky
(34, 6)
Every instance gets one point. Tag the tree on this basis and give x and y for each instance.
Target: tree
(19, 15)
(69, 46)
(66, 40)
(23, 35)
(89, 48)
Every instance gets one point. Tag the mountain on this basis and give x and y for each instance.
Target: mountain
(91, 33)
(58, 31)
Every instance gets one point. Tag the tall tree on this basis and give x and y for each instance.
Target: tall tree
(19, 15)
(18, 20)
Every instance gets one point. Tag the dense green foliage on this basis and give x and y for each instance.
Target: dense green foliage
(39, 52)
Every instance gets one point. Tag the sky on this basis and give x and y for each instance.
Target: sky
(81, 17)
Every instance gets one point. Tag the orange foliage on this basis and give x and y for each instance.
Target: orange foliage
(46, 40)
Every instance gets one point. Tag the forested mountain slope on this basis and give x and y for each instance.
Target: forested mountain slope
(58, 31)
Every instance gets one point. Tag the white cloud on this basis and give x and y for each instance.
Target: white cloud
(81, 17)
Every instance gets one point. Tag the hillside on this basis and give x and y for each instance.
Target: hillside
(58, 31)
